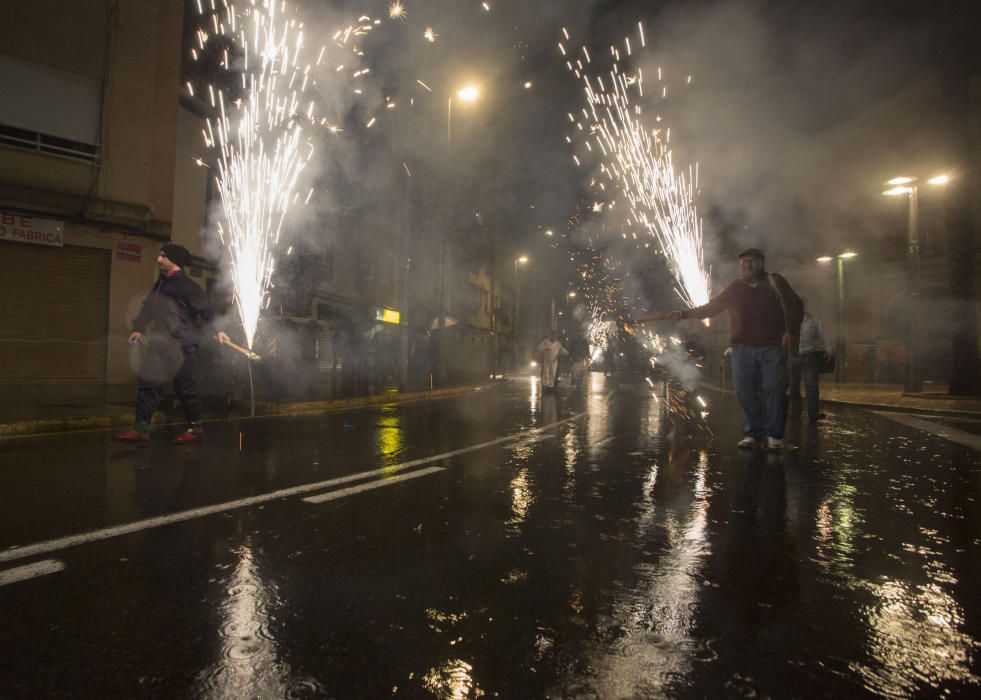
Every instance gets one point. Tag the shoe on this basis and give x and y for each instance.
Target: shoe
(133, 436)
(747, 443)
(816, 417)
(773, 443)
(189, 435)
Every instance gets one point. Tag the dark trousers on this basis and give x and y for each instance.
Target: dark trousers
(803, 367)
(165, 361)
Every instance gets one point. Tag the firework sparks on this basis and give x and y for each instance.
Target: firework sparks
(258, 140)
(430, 35)
(396, 11)
(637, 159)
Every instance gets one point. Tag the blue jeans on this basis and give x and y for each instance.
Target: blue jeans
(749, 365)
(803, 366)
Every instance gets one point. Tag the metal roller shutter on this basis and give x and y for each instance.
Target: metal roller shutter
(55, 312)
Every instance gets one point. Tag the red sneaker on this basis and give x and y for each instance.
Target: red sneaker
(189, 435)
(133, 436)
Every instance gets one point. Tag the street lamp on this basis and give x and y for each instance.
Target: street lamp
(839, 311)
(520, 260)
(908, 186)
(468, 93)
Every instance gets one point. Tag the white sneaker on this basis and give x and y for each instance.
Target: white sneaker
(747, 443)
(774, 443)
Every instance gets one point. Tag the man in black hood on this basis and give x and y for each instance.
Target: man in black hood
(171, 307)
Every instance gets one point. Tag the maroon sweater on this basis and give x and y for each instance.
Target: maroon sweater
(755, 316)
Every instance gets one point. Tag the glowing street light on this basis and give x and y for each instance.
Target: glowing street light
(908, 186)
(839, 310)
(468, 93)
(520, 260)
(896, 191)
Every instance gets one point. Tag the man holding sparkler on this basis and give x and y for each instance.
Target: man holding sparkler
(172, 306)
(764, 320)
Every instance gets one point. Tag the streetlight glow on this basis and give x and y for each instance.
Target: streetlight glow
(522, 259)
(848, 254)
(939, 180)
(899, 181)
(572, 295)
(825, 258)
(896, 191)
(468, 93)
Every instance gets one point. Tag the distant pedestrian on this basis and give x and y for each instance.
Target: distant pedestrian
(579, 355)
(171, 308)
(764, 318)
(549, 351)
(815, 347)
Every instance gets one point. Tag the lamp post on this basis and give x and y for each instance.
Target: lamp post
(839, 310)
(466, 94)
(517, 305)
(908, 186)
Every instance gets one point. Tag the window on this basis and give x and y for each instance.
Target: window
(60, 113)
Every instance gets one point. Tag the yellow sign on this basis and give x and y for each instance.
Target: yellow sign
(388, 316)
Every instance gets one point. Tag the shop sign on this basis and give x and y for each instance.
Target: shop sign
(128, 251)
(387, 315)
(30, 229)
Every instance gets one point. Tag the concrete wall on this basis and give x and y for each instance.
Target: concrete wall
(129, 192)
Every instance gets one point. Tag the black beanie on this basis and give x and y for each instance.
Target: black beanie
(177, 254)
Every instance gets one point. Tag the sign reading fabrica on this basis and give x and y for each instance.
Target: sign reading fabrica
(30, 229)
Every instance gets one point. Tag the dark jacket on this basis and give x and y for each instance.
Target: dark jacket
(172, 306)
(756, 317)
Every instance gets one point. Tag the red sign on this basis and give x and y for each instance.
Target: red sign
(30, 229)
(128, 251)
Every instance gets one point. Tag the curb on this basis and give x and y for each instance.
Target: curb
(895, 408)
(264, 409)
(949, 413)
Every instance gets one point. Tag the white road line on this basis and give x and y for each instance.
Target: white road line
(341, 493)
(54, 545)
(38, 568)
(961, 437)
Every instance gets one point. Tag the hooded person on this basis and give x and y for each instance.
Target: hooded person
(169, 311)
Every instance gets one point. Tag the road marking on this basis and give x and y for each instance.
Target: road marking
(54, 545)
(38, 568)
(341, 493)
(961, 437)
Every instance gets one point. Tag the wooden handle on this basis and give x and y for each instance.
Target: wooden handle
(245, 351)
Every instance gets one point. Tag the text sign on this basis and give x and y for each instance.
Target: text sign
(128, 251)
(30, 229)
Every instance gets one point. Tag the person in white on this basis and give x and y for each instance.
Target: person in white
(549, 351)
(815, 344)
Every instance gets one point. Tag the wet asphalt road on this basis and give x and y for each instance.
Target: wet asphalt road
(578, 546)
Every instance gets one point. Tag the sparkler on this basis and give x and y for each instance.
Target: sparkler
(636, 158)
(257, 137)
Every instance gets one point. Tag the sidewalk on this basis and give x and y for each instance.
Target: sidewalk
(890, 397)
(31, 410)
